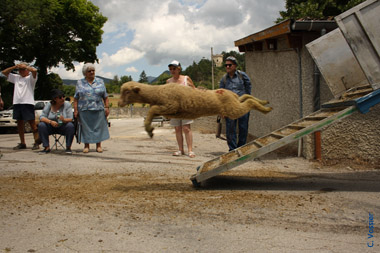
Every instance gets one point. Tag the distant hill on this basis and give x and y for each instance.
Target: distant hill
(166, 72)
(151, 79)
(74, 82)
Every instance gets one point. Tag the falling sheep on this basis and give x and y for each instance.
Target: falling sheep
(178, 101)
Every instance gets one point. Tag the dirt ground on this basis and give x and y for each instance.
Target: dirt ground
(137, 197)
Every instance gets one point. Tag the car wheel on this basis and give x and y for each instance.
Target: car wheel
(27, 128)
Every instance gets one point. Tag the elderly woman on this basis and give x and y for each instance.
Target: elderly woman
(56, 117)
(92, 109)
(181, 125)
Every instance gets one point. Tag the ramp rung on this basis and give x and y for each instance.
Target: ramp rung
(277, 135)
(295, 127)
(315, 118)
(268, 139)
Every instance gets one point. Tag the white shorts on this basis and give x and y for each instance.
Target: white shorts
(180, 122)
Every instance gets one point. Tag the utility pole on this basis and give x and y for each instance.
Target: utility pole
(212, 69)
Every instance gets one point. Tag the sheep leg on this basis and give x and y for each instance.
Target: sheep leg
(155, 110)
(254, 104)
(148, 122)
(246, 96)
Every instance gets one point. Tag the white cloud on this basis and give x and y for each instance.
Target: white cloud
(156, 32)
(131, 69)
(187, 29)
(64, 74)
(123, 56)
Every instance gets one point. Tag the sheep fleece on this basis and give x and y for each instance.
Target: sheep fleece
(177, 101)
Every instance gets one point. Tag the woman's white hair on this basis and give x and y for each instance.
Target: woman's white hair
(86, 66)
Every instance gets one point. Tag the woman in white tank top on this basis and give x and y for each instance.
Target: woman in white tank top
(181, 125)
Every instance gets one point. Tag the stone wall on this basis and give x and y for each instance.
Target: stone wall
(128, 112)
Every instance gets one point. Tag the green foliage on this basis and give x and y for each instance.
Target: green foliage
(315, 9)
(201, 73)
(111, 88)
(118, 82)
(69, 90)
(49, 32)
(114, 85)
(54, 80)
(125, 79)
(114, 81)
(162, 78)
(6, 92)
(143, 77)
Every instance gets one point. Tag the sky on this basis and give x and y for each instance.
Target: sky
(146, 35)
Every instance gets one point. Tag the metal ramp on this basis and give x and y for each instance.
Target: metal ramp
(270, 142)
(330, 113)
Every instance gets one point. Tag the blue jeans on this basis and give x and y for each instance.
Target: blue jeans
(44, 130)
(242, 124)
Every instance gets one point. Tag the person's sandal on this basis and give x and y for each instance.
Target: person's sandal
(178, 153)
(191, 154)
(85, 150)
(99, 150)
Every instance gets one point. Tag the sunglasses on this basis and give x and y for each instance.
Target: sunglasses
(228, 65)
(171, 69)
(92, 70)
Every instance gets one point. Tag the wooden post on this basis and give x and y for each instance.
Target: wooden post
(212, 69)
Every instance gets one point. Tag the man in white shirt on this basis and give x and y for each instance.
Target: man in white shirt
(23, 99)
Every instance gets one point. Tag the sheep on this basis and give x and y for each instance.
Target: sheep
(177, 101)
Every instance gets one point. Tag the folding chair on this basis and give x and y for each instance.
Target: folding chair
(58, 140)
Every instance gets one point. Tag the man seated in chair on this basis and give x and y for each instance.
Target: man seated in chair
(56, 118)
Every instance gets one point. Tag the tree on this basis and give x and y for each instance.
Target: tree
(69, 90)
(115, 81)
(112, 88)
(125, 79)
(49, 32)
(143, 77)
(315, 9)
(200, 72)
(54, 81)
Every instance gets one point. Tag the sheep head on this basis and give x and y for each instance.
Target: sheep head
(129, 94)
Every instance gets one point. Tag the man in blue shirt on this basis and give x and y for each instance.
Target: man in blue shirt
(239, 83)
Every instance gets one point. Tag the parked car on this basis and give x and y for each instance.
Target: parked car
(6, 116)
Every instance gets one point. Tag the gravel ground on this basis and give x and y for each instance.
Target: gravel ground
(137, 197)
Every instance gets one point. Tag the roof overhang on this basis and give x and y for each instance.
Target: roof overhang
(289, 29)
(271, 32)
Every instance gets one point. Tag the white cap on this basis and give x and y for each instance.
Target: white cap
(175, 64)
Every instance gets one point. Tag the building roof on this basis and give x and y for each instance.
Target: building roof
(287, 29)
